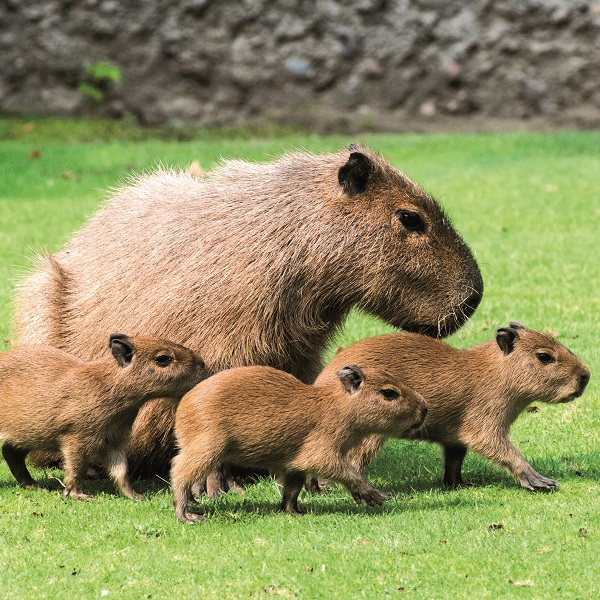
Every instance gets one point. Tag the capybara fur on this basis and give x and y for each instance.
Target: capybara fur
(53, 401)
(262, 417)
(474, 395)
(254, 264)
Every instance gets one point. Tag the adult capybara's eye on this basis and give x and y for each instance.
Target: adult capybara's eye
(411, 220)
(545, 358)
(163, 360)
(389, 394)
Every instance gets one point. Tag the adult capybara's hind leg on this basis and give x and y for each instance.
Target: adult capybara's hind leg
(15, 458)
(152, 442)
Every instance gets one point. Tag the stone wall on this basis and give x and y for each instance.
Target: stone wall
(324, 63)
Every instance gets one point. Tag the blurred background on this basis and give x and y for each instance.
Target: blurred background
(329, 65)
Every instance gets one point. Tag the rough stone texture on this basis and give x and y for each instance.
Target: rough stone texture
(323, 63)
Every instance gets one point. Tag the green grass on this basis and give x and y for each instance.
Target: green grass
(528, 206)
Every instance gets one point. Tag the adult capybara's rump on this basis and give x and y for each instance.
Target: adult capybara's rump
(253, 264)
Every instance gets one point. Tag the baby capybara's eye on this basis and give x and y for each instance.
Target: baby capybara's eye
(163, 360)
(545, 358)
(411, 220)
(389, 394)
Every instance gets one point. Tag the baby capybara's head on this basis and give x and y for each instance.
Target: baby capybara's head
(157, 367)
(539, 367)
(412, 268)
(378, 403)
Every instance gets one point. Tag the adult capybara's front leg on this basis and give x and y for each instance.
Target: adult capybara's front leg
(454, 455)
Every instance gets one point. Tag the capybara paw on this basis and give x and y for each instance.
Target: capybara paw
(357, 497)
(537, 483)
(76, 494)
(135, 496)
(190, 517)
(293, 510)
(457, 485)
(385, 495)
(373, 498)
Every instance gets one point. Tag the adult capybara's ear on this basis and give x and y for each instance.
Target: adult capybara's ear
(354, 176)
(122, 349)
(351, 378)
(505, 337)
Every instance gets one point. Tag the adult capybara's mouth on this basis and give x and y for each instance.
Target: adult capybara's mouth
(451, 323)
(568, 398)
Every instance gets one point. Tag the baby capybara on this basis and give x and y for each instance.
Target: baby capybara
(473, 395)
(254, 264)
(54, 401)
(262, 417)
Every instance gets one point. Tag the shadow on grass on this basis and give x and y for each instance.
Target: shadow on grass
(405, 469)
(420, 466)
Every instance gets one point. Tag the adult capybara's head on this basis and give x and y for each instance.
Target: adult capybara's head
(379, 402)
(415, 271)
(539, 367)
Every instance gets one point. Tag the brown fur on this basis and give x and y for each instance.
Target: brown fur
(53, 401)
(252, 264)
(262, 417)
(473, 395)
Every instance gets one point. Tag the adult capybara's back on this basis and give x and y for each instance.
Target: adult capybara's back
(253, 264)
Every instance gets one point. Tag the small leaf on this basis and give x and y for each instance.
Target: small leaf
(521, 582)
(91, 92)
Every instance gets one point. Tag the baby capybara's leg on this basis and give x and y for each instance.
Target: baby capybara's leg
(76, 464)
(454, 455)
(360, 487)
(192, 464)
(15, 458)
(292, 486)
(115, 462)
(503, 452)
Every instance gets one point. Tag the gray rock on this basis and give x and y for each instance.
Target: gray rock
(329, 62)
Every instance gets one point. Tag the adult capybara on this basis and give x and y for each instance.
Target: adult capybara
(262, 417)
(53, 401)
(252, 264)
(473, 395)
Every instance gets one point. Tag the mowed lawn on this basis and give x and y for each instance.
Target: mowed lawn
(528, 205)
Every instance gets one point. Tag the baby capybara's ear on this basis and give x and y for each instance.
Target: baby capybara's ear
(505, 337)
(122, 349)
(354, 176)
(351, 378)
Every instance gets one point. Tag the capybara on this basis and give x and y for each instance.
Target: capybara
(254, 264)
(474, 395)
(53, 401)
(262, 417)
